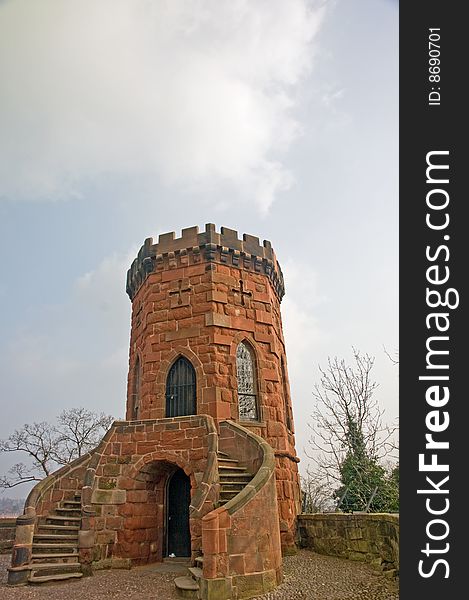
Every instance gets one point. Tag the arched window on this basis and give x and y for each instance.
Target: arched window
(247, 385)
(180, 389)
(136, 391)
(286, 397)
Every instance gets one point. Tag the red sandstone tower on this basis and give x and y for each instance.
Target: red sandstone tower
(206, 310)
(204, 466)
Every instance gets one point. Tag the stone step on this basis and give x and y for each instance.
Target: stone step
(57, 577)
(196, 573)
(227, 479)
(46, 548)
(199, 561)
(56, 537)
(61, 520)
(47, 527)
(229, 468)
(71, 503)
(234, 485)
(68, 511)
(61, 558)
(47, 533)
(239, 486)
(232, 490)
(228, 494)
(52, 568)
(186, 587)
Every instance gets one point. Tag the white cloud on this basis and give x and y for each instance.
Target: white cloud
(301, 325)
(190, 91)
(73, 354)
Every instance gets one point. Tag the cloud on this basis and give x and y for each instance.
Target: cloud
(193, 92)
(76, 353)
(301, 325)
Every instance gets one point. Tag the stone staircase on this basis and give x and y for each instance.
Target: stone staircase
(55, 544)
(233, 478)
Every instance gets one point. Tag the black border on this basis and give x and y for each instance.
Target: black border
(424, 128)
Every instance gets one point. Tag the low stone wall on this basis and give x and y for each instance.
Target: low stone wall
(7, 534)
(372, 538)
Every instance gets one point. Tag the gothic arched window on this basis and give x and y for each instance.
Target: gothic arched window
(247, 385)
(180, 389)
(136, 391)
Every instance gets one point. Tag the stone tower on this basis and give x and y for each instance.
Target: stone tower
(215, 299)
(204, 465)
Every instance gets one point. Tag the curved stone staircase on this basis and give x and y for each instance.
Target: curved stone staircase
(55, 544)
(233, 478)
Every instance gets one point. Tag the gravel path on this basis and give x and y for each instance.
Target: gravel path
(307, 576)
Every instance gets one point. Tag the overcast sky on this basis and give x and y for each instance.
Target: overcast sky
(123, 119)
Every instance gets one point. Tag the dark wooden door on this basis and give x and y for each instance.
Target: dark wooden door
(178, 499)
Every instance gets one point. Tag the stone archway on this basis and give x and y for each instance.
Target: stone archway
(143, 537)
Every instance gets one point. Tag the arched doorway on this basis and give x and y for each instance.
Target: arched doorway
(178, 499)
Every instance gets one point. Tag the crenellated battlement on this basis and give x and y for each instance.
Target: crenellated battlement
(207, 246)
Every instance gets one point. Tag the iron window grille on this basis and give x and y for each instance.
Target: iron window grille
(180, 389)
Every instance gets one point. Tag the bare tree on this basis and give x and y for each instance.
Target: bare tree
(37, 442)
(78, 431)
(394, 358)
(46, 446)
(348, 422)
(316, 496)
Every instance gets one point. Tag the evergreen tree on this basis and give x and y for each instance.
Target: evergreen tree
(352, 440)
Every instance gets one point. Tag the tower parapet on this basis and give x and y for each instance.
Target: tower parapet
(192, 247)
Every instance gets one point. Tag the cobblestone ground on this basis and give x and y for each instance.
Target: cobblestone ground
(307, 576)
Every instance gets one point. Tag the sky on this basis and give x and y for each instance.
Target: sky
(124, 119)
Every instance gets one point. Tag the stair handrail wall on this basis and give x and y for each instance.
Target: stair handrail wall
(260, 570)
(210, 479)
(38, 492)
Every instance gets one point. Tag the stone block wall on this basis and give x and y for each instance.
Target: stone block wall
(372, 538)
(124, 494)
(7, 534)
(286, 475)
